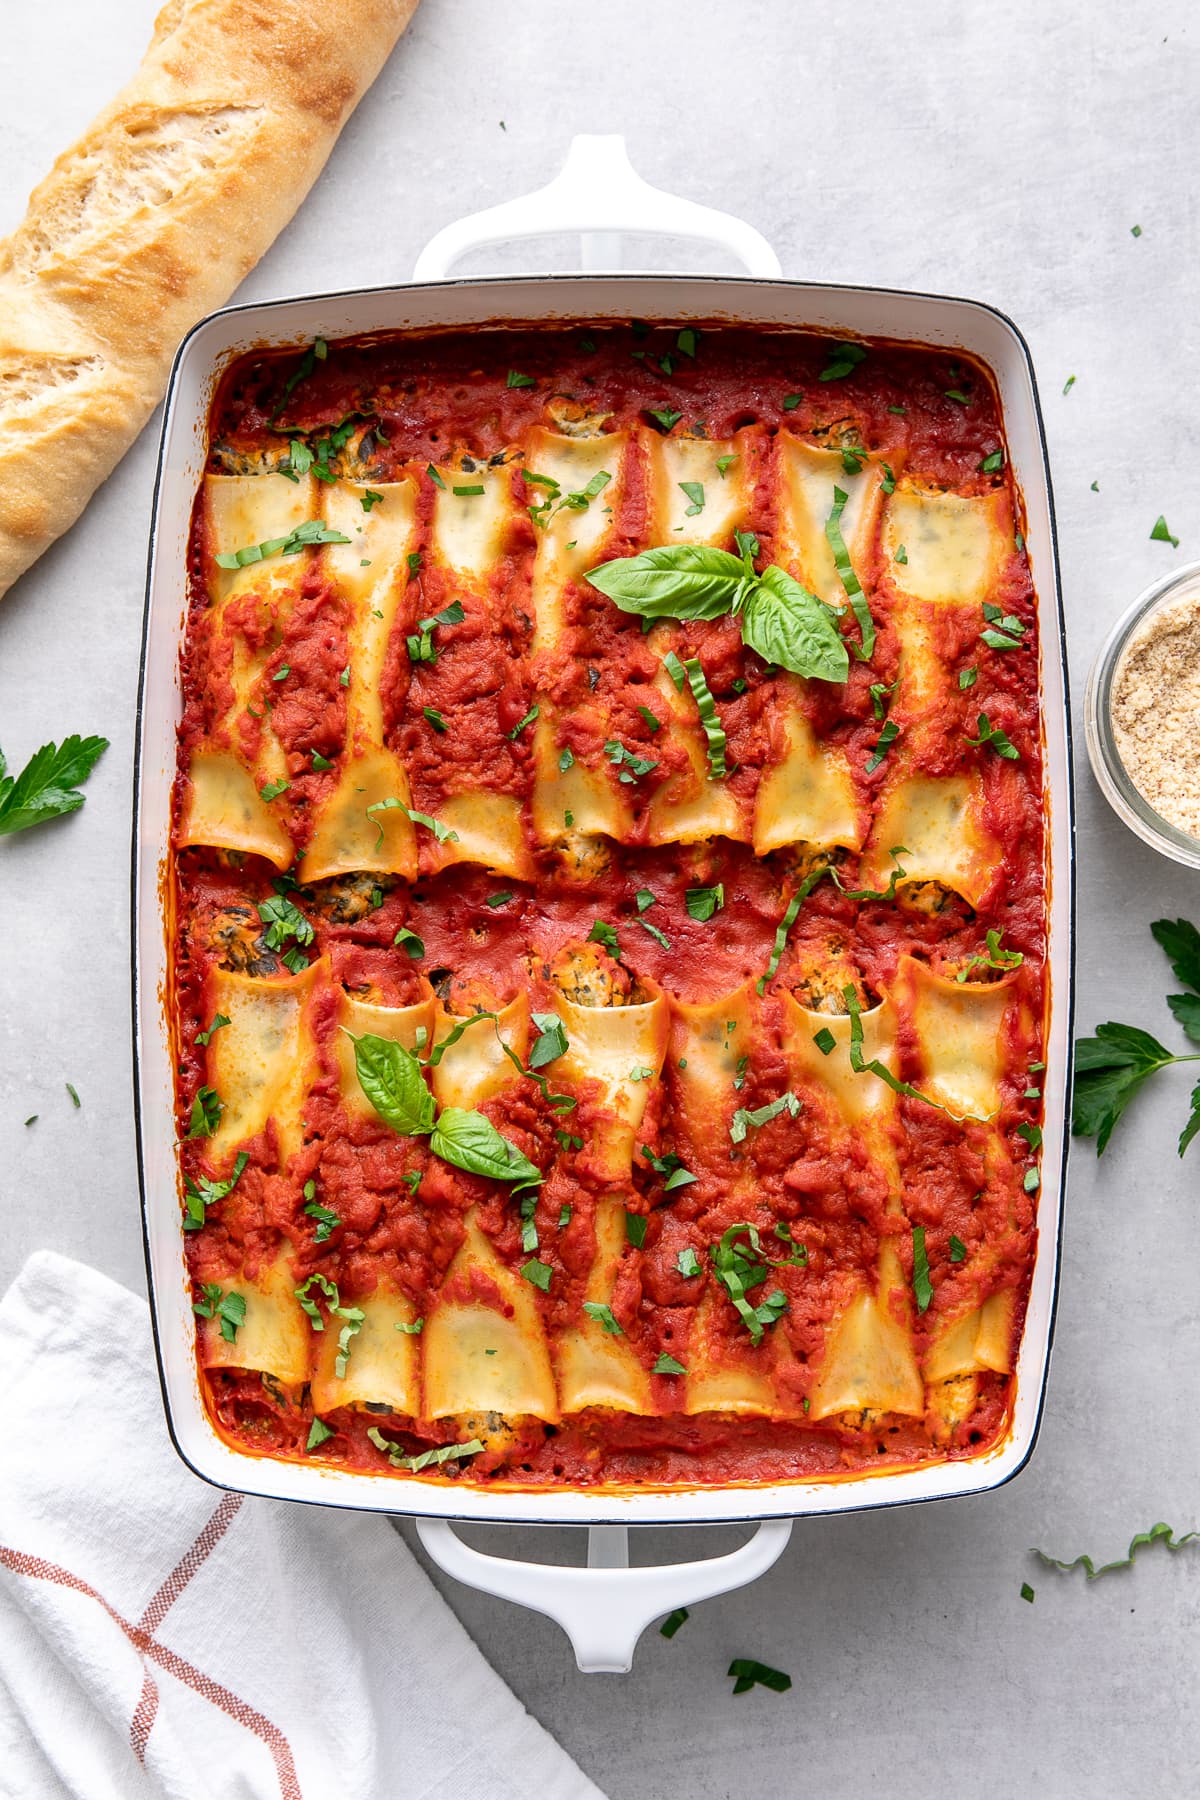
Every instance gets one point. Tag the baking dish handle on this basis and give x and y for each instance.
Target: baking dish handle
(598, 194)
(605, 1607)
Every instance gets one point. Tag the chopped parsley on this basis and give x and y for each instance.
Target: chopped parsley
(603, 1316)
(688, 1264)
(1162, 534)
(219, 1021)
(635, 1228)
(843, 360)
(207, 1108)
(703, 902)
(228, 1309)
(667, 1365)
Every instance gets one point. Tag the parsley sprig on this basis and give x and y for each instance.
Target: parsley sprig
(1113, 1066)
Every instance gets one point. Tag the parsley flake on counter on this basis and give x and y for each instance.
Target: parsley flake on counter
(748, 1673)
(1162, 534)
(76, 1102)
(47, 787)
(673, 1620)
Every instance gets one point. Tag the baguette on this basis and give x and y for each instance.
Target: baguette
(150, 221)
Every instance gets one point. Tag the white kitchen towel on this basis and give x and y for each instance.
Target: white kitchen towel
(160, 1638)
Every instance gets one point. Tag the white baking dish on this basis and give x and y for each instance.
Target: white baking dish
(606, 1605)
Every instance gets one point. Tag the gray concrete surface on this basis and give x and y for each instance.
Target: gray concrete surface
(1002, 152)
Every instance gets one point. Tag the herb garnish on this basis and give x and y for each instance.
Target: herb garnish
(441, 832)
(779, 618)
(207, 1108)
(203, 1193)
(435, 719)
(994, 738)
(603, 1316)
(283, 920)
(882, 744)
(667, 1365)
(1162, 534)
(762, 1115)
(693, 492)
(230, 1309)
(304, 537)
(517, 380)
(46, 786)
(843, 360)
(442, 1454)
(1004, 630)
(352, 1316)
(689, 1264)
(420, 646)
(703, 902)
(738, 1269)
(520, 725)
(1157, 1534)
(317, 351)
(747, 1672)
(635, 766)
(205, 1037)
(847, 577)
(861, 1066)
(993, 957)
(922, 1285)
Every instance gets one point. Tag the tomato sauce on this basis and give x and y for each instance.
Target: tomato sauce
(401, 1209)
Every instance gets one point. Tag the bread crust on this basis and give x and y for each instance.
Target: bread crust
(150, 221)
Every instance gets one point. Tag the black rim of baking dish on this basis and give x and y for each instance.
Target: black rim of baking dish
(733, 283)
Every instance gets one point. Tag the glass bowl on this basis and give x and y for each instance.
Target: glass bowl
(1128, 804)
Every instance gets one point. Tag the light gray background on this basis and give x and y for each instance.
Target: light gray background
(1002, 152)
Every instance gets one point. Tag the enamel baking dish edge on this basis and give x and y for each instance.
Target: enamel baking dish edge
(849, 311)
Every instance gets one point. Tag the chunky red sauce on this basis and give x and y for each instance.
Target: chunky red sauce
(443, 398)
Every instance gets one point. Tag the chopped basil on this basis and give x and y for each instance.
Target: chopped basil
(994, 738)
(824, 1040)
(441, 832)
(516, 380)
(993, 957)
(500, 899)
(283, 920)
(635, 1228)
(881, 746)
(992, 465)
(880, 1070)
(762, 1115)
(203, 1193)
(634, 766)
(888, 483)
(667, 1365)
(282, 673)
(967, 678)
(901, 554)
(738, 1269)
(847, 577)
(688, 1264)
(318, 761)
(435, 477)
(294, 960)
(922, 1286)
(219, 1020)
(31, 1120)
(603, 1316)
(1161, 534)
(435, 718)
(881, 693)
(406, 939)
(843, 360)
(413, 559)
(566, 760)
(714, 733)
(1031, 1181)
(370, 499)
(1005, 630)
(645, 899)
(665, 419)
(958, 1250)
(206, 1112)
(651, 719)
(694, 492)
(414, 1464)
(273, 789)
(725, 462)
(344, 677)
(326, 1220)
(519, 727)
(537, 1273)
(317, 351)
(552, 1040)
(564, 1216)
(660, 937)
(1032, 1135)
(413, 1329)
(228, 1309)
(703, 902)
(470, 491)
(958, 395)
(791, 402)
(319, 1433)
(1135, 231)
(686, 341)
(306, 536)
(853, 459)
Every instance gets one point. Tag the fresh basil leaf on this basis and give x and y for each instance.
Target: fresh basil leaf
(538, 1274)
(552, 1040)
(46, 787)
(688, 1264)
(789, 626)
(676, 581)
(635, 1228)
(408, 940)
(471, 1142)
(603, 1316)
(392, 1080)
(667, 1365)
(1186, 1010)
(703, 902)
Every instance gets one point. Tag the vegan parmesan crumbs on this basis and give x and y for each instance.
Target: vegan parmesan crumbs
(1156, 712)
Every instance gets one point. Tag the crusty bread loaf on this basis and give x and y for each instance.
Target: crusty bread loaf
(150, 221)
